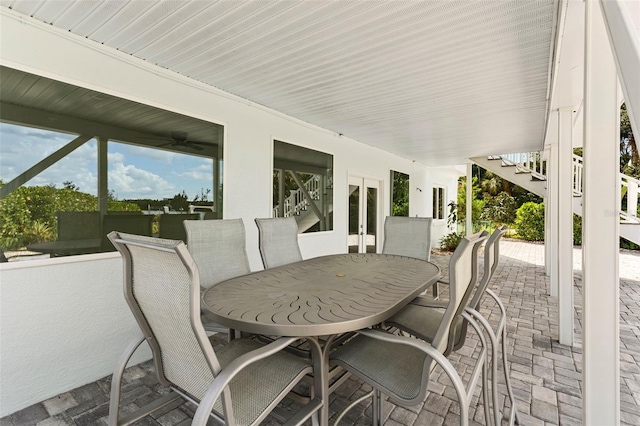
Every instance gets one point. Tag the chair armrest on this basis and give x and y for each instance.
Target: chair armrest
(432, 352)
(230, 371)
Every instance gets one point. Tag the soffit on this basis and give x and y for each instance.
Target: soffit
(43, 102)
(433, 81)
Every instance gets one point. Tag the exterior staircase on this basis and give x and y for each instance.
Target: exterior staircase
(298, 205)
(529, 170)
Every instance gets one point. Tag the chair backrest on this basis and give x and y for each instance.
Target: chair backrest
(137, 224)
(278, 241)
(491, 256)
(171, 226)
(408, 236)
(219, 249)
(78, 225)
(491, 259)
(463, 276)
(161, 287)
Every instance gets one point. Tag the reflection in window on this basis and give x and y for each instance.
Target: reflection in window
(399, 194)
(438, 202)
(303, 186)
(49, 190)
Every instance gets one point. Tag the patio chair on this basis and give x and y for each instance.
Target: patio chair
(241, 383)
(422, 309)
(133, 224)
(78, 225)
(409, 236)
(499, 334)
(219, 249)
(171, 226)
(278, 241)
(401, 366)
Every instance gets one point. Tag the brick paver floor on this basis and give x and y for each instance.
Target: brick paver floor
(546, 376)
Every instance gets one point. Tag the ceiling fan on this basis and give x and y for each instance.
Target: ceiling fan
(181, 139)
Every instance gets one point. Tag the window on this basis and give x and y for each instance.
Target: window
(67, 167)
(303, 186)
(438, 202)
(399, 194)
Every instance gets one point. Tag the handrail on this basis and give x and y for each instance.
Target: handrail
(296, 202)
(534, 163)
(527, 162)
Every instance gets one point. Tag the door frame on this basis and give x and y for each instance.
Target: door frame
(366, 181)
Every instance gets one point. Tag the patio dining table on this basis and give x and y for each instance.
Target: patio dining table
(323, 296)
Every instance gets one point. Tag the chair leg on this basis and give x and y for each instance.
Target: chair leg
(353, 404)
(473, 316)
(513, 415)
(502, 334)
(116, 383)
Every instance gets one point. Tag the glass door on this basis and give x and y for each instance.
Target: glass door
(364, 213)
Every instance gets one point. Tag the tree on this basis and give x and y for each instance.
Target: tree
(500, 209)
(180, 202)
(70, 185)
(628, 148)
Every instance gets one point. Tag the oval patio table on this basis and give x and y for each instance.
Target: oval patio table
(323, 296)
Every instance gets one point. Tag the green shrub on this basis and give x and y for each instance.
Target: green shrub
(577, 230)
(529, 223)
(450, 241)
(500, 209)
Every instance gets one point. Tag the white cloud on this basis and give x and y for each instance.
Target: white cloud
(128, 181)
(203, 173)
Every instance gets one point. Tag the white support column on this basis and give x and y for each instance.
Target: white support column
(469, 200)
(552, 215)
(547, 232)
(565, 226)
(600, 228)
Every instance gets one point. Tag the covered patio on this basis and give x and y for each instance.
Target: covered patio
(547, 376)
(420, 88)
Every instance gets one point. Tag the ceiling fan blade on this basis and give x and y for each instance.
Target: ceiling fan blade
(204, 143)
(194, 146)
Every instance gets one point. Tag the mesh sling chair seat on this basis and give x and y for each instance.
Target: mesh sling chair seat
(400, 366)
(278, 241)
(219, 249)
(238, 384)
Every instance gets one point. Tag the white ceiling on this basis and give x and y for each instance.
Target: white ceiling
(434, 81)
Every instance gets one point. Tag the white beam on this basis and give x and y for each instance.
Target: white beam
(601, 228)
(41, 166)
(565, 226)
(625, 43)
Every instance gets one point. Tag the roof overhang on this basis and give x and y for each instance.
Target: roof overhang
(435, 82)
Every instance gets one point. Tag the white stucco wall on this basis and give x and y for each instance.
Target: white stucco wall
(64, 322)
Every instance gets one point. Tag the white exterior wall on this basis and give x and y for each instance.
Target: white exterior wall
(64, 322)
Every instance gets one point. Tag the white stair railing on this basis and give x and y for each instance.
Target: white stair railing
(527, 162)
(296, 202)
(533, 162)
(630, 211)
(578, 172)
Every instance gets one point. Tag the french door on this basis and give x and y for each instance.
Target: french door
(364, 214)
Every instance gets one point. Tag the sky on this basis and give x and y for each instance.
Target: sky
(134, 172)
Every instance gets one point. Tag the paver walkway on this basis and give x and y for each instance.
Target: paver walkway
(546, 375)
